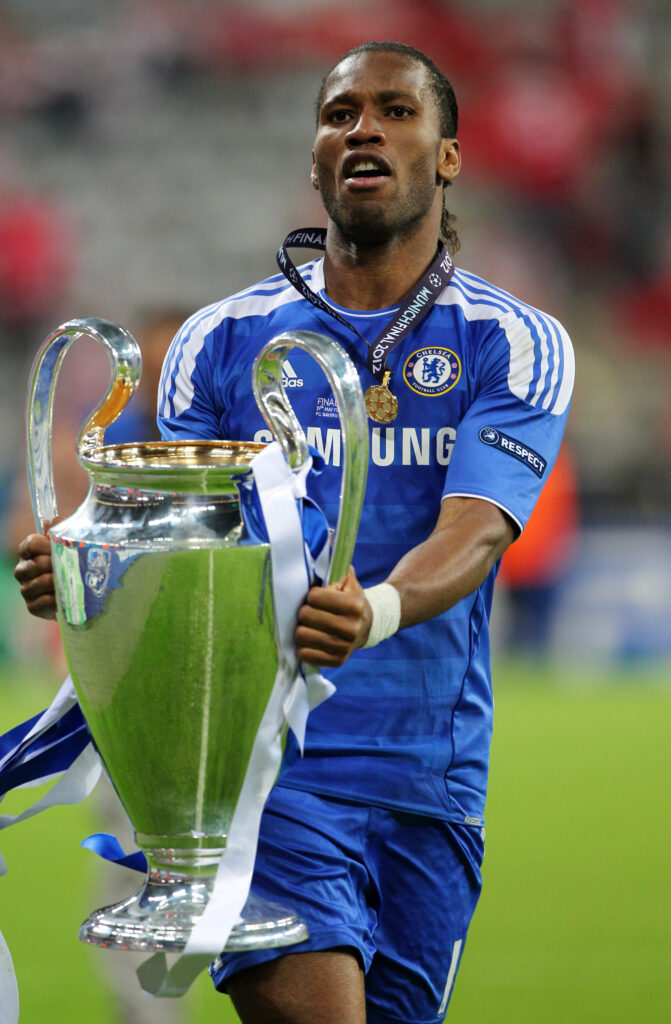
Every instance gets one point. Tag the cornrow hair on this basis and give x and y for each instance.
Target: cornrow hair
(448, 230)
(448, 112)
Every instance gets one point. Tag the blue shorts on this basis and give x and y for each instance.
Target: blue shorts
(399, 889)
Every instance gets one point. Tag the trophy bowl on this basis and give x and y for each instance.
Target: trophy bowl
(166, 611)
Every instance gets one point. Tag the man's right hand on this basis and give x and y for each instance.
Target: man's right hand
(34, 573)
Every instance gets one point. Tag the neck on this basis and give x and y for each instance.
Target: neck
(374, 277)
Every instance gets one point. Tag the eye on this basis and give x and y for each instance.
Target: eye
(398, 112)
(337, 116)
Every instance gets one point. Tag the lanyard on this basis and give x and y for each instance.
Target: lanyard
(435, 279)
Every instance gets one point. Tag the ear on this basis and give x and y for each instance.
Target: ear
(449, 160)
(313, 174)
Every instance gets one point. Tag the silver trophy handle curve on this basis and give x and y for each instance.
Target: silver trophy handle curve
(126, 363)
(280, 417)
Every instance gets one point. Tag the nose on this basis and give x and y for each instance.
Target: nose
(367, 128)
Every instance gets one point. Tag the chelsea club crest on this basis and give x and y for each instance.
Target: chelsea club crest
(432, 371)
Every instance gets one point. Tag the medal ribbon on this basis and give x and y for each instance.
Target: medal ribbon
(434, 280)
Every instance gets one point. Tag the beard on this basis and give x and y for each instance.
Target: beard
(365, 225)
(369, 222)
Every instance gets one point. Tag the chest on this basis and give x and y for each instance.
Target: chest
(431, 376)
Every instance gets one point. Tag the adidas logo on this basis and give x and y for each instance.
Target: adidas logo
(290, 378)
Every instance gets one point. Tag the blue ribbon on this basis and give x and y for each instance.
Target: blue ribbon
(12, 740)
(315, 526)
(109, 848)
(48, 754)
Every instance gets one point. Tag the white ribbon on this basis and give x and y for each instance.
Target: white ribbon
(291, 699)
(65, 699)
(9, 990)
(71, 787)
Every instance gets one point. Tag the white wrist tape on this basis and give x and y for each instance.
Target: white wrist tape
(385, 601)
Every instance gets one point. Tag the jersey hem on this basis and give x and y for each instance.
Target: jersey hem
(469, 821)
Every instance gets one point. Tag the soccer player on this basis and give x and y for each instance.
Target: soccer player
(375, 837)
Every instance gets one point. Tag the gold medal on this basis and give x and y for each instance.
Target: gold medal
(381, 404)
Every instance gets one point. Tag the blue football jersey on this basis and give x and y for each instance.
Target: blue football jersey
(483, 385)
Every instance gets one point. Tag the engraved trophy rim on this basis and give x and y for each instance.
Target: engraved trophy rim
(206, 467)
(182, 455)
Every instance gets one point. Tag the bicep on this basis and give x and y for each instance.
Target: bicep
(509, 436)
(476, 521)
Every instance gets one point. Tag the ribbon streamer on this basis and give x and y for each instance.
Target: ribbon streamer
(53, 745)
(50, 746)
(9, 990)
(109, 848)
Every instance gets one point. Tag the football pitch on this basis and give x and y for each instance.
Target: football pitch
(574, 923)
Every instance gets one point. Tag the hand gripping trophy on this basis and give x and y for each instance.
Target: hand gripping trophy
(167, 580)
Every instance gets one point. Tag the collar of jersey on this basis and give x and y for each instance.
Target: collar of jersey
(349, 314)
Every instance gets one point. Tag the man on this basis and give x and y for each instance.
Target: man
(376, 836)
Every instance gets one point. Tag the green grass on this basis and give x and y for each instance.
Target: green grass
(573, 924)
(574, 921)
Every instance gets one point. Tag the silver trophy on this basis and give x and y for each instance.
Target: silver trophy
(166, 613)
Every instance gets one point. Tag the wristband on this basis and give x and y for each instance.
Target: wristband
(385, 602)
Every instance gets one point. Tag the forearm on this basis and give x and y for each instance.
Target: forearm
(453, 561)
(469, 537)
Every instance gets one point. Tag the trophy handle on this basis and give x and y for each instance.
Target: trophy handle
(124, 355)
(280, 417)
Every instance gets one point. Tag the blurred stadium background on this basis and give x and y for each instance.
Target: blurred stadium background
(152, 157)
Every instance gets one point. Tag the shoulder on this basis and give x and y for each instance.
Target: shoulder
(536, 347)
(259, 300)
(479, 300)
(206, 336)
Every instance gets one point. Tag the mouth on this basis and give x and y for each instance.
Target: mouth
(365, 171)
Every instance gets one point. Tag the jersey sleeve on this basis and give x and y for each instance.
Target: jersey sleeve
(186, 403)
(508, 440)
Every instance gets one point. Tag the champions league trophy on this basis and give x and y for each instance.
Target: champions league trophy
(166, 612)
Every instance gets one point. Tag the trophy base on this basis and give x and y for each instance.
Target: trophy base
(162, 914)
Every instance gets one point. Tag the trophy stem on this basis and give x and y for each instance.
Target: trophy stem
(164, 911)
(194, 855)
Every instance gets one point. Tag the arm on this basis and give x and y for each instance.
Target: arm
(470, 536)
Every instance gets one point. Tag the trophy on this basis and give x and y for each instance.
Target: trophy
(167, 617)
